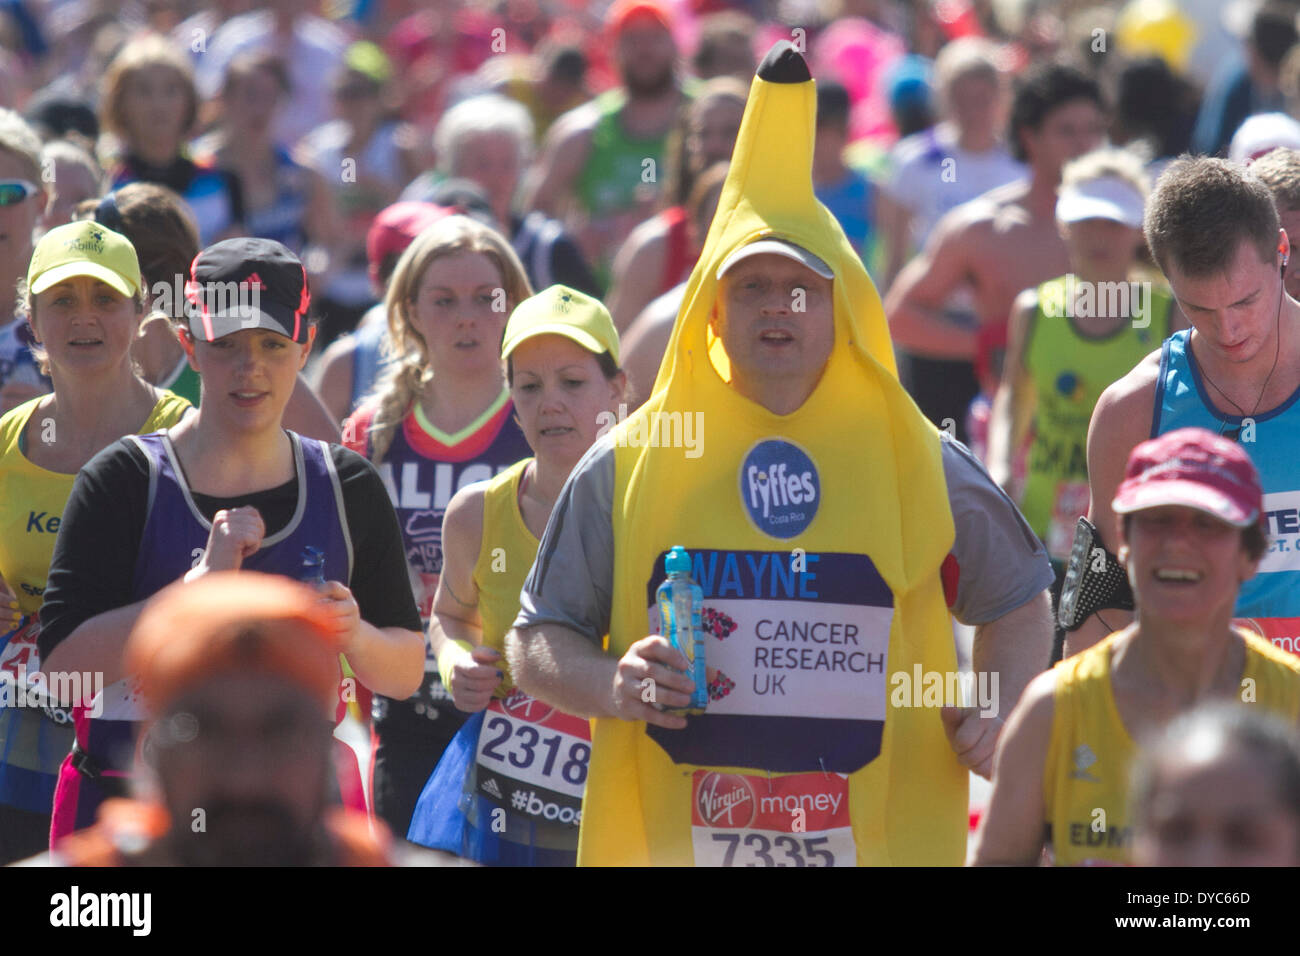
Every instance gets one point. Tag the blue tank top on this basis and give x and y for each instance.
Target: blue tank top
(852, 202)
(172, 541)
(421, 474)
(1272, 440)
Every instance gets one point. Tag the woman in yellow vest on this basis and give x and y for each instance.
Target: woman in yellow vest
(525, 762)
(1191, 532)
(84, 301)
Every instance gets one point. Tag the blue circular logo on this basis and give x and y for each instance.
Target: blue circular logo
(780, 488)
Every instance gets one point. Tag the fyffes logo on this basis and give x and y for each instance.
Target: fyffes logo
(780, 488)
(725, 800)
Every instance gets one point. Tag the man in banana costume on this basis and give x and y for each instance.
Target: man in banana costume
(832, 530)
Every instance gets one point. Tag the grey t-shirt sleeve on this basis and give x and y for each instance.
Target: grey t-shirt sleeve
(1001, 563)
(572, 580)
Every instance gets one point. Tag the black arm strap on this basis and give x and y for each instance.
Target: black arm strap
(1094, 580)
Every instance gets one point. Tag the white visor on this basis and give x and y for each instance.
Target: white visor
(1107, 197)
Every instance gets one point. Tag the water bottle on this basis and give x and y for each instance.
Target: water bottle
(313, 567)
(680, 602)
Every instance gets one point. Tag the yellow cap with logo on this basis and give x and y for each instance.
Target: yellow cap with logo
(560, 310)
(84, 248)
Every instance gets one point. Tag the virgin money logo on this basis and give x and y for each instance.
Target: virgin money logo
(726, 800)
(518, 704)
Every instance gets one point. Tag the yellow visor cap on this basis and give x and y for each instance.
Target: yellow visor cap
(560, 310)
(84, 248)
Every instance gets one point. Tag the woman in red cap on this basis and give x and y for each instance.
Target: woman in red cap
(1190, 525)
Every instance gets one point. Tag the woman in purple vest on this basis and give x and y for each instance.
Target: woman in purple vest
(228, 488)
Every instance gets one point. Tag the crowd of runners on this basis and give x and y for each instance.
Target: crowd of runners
(368, 360)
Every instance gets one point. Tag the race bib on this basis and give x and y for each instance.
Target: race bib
(533, 759)
(791, 656)
(796, 820)
(18, 653)
(1070, 502)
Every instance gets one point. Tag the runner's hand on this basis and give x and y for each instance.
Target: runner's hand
(645, 681)
(474, 677)
(235, 535)
(973, 738)
(342, 608)
(9, 613)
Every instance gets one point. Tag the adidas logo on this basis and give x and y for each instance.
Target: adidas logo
(491, 789)
(255, 280)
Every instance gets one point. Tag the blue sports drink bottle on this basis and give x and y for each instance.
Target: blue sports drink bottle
(680, 603)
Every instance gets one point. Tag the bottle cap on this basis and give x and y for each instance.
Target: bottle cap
(678, 559)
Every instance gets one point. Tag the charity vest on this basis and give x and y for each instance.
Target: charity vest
(1090, 753)
(422, 469)
(615, 166)
(504, 560)
(1069, 371)
(34, 740)
(816, 538)
(525, 746)
(171, 543)
(1269, 603)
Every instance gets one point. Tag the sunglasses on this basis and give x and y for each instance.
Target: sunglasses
(14, 191)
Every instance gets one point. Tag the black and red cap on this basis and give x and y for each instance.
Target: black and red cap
(247, 283)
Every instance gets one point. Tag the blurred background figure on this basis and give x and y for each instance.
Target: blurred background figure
(1280, 171)
(363, 155)
(488, 140)
(661, 252)
(150, 108)
(73, 177)
(602, 164)
(1220, 786)
(967, 143)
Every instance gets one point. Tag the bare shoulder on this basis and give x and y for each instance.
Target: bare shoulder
(1132, 395)
(1034, 712)
(574, 127)
(463, 519)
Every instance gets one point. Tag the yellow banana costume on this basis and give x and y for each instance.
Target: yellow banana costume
(817, 537)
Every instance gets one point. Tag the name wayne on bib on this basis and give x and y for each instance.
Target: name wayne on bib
(796, 648)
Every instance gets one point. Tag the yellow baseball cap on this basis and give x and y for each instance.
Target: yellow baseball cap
(84, 248)
(560, 310)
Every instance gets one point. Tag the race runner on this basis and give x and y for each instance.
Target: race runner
(1070, 338)
(227, 488)
(1192, 532)
(85, 304)
(441, 419)
(561, 350)
(817, 502)
(1213, 229)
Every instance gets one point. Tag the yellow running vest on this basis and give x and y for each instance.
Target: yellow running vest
(817, 537)
(32, 500)
(504, 559)
(1090, 752)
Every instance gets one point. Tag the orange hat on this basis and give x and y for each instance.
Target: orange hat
(623, 12)
(233, 622)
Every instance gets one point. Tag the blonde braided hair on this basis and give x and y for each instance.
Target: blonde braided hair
(406, 378)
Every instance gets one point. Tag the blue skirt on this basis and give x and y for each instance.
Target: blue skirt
(451, 816)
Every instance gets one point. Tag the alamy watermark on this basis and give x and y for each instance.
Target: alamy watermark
(922, 688)
(1082, 299)
(656, 430)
